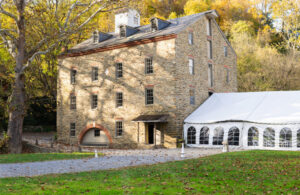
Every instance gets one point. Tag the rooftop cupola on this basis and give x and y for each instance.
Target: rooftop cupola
(127, 16)
(158, 24)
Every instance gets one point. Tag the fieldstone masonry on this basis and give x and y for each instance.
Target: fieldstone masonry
(171, 82)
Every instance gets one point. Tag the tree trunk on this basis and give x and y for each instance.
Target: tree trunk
(17, 101)
(16, 115)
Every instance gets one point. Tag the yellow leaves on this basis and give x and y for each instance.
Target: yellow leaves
(196, 6)
(173, 15)
(242, 26)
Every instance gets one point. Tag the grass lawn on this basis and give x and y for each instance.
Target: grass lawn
(32, 157)
(247, 172)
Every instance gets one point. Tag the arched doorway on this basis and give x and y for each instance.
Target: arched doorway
(95, 135)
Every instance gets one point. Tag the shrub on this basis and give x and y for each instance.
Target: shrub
(4, 143)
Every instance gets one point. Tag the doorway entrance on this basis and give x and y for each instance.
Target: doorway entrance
(150, 133)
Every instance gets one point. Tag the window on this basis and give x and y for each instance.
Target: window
(73, 102)
(227, 75)
(192, 96)
(72, 129)
(149, 96)
(119, 70)
(210, 54)
(225, 51)
(94, 101)
(119, 99)
(95, 36)
(253, 136)
(233, 136)
(269, 137)
(136, 20)
(298, 138)
(119, 128)
(209, 30)
(285, 138)
(191, 135)
(191, 66)
(191, 38)
(204, 135)
(96, 132)
(95, 74)
(218, 136)
(73, 76)
(154, 26)
(148, 66)
(122, 31)
(210, 75)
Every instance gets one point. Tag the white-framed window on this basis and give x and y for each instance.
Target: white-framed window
(285, 138)
(72, 129)
(94, 104)
(227, 75)
(122, 31)
(136, 20)
(204, 136)
(119, 70)
(210, 52)
(218, 136)
(209, 28)
(233, 136)
(253, 136)
(191, 135)
(210, 75)
(191, 38)
(148, 65)
(191, 66)
(73, 76)
(119, 128)
(149, 98)
(269, 137)
(73, 102)
(225, 51)
(298, 138)
(95, 73)
(119, 99)
(192, 96)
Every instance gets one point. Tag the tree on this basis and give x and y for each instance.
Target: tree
(18, 19)
(196, 6)
(287, 15)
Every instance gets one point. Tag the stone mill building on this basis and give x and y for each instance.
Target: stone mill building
(135, 86)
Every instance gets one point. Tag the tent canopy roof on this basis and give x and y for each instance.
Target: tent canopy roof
(273, 107)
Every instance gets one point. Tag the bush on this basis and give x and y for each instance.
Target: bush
(4, 143)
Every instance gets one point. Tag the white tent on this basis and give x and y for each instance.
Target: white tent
(253, 120)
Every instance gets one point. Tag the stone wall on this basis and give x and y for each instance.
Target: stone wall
(198, 51)
(132, 84)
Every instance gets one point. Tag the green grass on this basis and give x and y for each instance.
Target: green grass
(33, 157)
(247, 172)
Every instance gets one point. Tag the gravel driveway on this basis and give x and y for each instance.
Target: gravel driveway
(113, 159)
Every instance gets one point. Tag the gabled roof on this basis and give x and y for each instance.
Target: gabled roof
(273, 107)
(143, 32)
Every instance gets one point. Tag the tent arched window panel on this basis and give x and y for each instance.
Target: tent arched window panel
(285, 138)
(269, 137)
(234, 136)
(204, 135)
(218, 136)
(191, 135)
(253, 136)
(298, 138)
